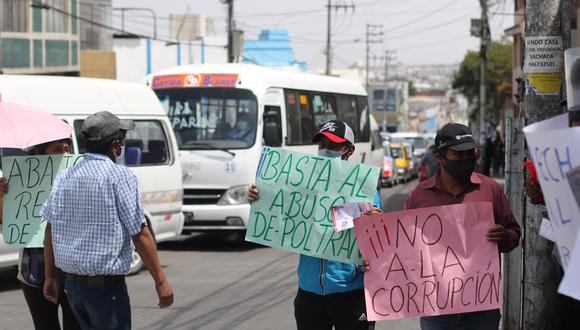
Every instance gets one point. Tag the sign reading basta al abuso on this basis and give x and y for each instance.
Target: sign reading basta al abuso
(296, 192)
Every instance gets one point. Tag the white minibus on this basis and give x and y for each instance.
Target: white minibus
(222, 116)
(151, 149)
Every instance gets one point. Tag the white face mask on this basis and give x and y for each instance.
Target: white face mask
(329, 153)
(121, 158)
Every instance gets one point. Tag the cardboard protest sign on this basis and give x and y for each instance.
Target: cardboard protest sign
(343, 215)
(296, 193)
(554, 150)
(430, 261)
(30, 180)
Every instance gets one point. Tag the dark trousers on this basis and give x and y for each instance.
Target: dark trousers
(45, 314)
(103, 307)
(344, 311)
(482, 320)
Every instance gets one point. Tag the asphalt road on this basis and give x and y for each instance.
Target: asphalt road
(219, 283)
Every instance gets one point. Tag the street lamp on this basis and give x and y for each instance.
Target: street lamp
(149, 10)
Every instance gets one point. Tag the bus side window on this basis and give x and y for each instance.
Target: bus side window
(272, 126)
(299, 117)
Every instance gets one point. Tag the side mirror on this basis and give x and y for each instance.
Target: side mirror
(272, 127)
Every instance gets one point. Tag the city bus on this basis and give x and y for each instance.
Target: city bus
(223, 114)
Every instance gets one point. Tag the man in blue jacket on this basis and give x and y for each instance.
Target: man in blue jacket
(330, 293)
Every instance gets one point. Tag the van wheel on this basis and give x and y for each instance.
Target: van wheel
(136, 264)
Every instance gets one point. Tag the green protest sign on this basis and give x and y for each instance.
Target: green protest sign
(30, 180)
(296, 193)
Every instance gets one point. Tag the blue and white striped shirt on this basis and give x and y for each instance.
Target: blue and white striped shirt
(94, 208)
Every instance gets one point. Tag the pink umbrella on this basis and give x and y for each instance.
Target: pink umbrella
(23, 126)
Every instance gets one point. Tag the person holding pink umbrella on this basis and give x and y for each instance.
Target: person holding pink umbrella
(31, 265)
(24, 127)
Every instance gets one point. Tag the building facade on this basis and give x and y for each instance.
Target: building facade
(36, 40)
(394, 117)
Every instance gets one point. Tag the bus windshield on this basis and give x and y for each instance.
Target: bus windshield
(207, 118)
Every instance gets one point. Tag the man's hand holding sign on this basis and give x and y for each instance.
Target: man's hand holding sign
(430, 261)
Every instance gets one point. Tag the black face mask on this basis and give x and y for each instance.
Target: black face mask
(461, 169)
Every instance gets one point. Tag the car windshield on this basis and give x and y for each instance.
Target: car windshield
(395, 152)
(211, 118)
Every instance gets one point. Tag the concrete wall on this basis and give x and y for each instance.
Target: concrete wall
(98, 64)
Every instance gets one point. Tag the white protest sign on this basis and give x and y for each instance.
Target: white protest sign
(554, 150)
(546, 230)
(570, 285)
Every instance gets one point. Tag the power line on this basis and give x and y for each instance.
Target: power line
(432, 27)
(439, 42)
(104, 26)
(424, 16)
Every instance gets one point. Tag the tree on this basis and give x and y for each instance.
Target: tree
(499, 77)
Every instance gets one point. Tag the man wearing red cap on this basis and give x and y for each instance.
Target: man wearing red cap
(330, 294)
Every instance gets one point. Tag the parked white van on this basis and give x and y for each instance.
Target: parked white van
(151, 149)
(223, 114)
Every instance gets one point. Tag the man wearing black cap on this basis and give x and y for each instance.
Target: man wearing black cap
(330, 294)
(456, 183)
(93, 212)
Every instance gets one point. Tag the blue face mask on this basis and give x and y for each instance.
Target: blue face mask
(329, 153)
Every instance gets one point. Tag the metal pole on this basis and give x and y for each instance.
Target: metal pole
(202, 50)
(149, 10)
(367, 57)
(230, 31)
(328, 47)
(386, 96)
(483, 72)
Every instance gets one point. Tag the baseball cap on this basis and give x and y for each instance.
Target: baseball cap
(336, 131)
(454, 136)
(103, 125)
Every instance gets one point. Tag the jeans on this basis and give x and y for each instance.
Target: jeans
(106, 307)
(483, 320)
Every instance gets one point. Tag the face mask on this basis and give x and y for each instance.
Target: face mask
(242, 125)
(121, 158)
(329, 153)
(460, 170)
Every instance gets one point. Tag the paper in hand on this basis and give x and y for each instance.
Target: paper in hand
(343, 215)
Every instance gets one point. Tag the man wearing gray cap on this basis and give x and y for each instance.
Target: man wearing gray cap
(93, 212)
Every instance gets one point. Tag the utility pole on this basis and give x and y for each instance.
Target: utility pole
(328, 51)
(371, 32)
(230, 4)
(536, 305)
(540, 277)
(388, 57)
(483, 72)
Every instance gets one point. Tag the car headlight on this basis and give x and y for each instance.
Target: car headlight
(235, 196)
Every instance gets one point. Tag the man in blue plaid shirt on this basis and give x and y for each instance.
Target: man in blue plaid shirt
(94, 212)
